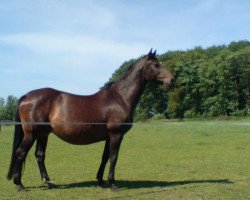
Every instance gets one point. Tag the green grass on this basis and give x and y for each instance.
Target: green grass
(177, 160)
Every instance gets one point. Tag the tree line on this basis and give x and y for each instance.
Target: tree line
(209, 82)
(8, 108)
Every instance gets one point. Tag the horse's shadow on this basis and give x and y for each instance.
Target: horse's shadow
(138, 184)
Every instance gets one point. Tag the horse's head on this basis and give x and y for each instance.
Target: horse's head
(154, 70)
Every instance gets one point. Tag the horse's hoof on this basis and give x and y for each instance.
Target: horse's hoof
(101, 183)
(50, 184)
(21, 188)
(114, 187)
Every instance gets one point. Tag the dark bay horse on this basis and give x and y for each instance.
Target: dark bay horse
(104, 116)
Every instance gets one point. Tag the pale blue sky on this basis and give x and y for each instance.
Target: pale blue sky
(76, 45)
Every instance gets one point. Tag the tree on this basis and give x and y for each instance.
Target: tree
(1, 102)
(7, 112)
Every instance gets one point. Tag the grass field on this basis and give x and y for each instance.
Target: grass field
(177, 160)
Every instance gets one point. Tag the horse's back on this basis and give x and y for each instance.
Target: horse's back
(42, 93)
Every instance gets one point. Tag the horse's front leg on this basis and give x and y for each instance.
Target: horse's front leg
(115, 142)
(105, 158)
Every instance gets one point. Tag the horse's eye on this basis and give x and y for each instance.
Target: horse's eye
(157, 65)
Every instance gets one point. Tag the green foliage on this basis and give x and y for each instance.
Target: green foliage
(153, 93)
(8, 110)
(210, 82)
(141, 114)
(225, 83)
(175, 103)
(1, 102)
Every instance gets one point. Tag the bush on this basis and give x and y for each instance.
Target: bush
(159, 116)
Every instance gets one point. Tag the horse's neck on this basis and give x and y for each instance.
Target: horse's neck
(131, 88)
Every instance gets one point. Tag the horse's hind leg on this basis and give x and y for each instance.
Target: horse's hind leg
(40, 157)
(21, 154)
(105, 158)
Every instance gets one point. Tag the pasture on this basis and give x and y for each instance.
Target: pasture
(170, 160)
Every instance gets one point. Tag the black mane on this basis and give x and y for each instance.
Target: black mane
(121, 77)
(132, 62)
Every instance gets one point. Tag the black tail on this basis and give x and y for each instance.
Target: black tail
(18, 137)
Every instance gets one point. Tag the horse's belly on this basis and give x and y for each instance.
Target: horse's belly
(81, 136)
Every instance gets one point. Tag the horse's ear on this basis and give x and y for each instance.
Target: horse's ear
(151, 54)
(154, 54)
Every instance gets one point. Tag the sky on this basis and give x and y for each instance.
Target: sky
(76, 46)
